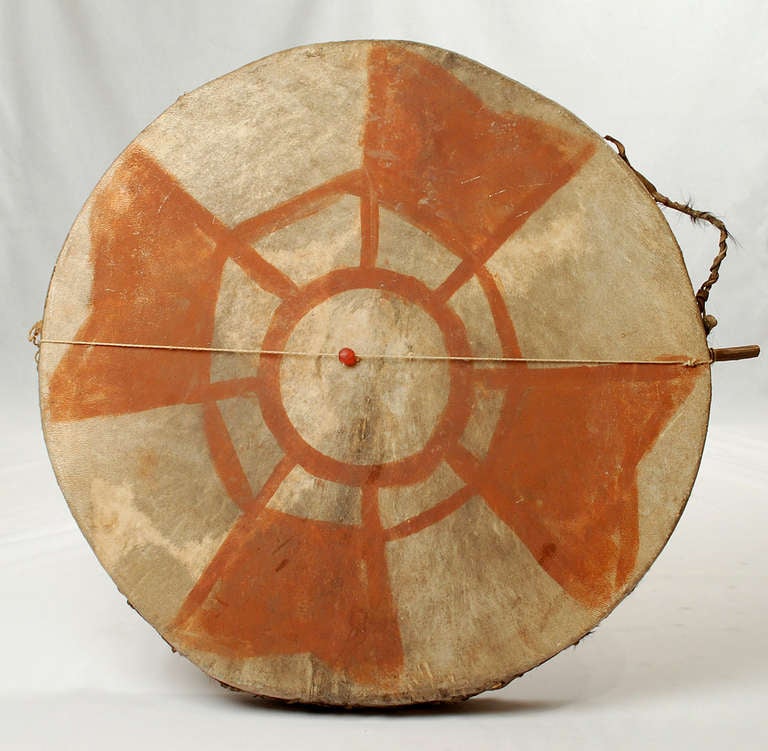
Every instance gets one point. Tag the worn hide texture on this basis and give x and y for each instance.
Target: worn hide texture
(402, 530)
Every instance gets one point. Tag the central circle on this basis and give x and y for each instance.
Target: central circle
(382, 410)
(403, 400)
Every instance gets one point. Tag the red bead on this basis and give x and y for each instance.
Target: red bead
(348, 357)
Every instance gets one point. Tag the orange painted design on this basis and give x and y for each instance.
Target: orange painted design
(225, 457)
(156, 267)
(451, 423)
(468, 175)
(295, 586)
(432, 515)
(561, 469)
(369, 226)
(309, 203)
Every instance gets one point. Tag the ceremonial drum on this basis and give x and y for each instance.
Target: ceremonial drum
(372, 376)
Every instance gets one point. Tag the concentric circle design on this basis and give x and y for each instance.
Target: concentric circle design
(441, 419)
(402, 530)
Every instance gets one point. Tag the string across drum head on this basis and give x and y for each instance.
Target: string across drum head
(489, 472)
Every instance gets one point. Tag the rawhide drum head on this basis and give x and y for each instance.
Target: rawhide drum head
(371, 376)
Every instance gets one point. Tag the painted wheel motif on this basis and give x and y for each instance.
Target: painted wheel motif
(400, 530)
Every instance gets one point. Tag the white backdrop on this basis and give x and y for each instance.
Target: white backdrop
(683, 84)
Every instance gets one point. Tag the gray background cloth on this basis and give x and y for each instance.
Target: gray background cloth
(682, 662)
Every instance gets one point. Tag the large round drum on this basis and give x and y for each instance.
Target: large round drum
(494, 475)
